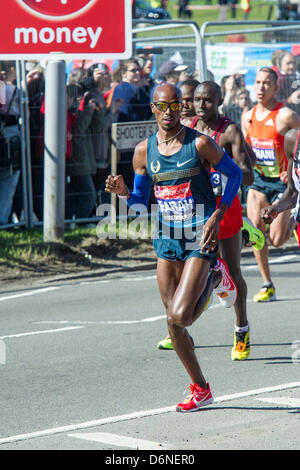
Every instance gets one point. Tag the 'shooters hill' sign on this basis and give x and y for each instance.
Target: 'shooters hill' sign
(77, 28)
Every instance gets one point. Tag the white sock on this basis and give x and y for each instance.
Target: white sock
(241, 329)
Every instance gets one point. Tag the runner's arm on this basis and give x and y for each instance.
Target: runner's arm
(289, 197)
(242, 153)
(246, 118)
(221, 161)
(215, 156)
(142, 184)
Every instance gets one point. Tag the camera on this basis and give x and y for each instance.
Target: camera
(238, 81)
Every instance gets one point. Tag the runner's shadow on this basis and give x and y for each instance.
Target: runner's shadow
(209, 346)
(253, 408)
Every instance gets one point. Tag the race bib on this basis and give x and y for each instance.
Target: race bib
(297, 166)
(216, 182)
(264, 151)
(175, 203)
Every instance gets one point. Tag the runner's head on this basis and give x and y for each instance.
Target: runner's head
(207, 99)
(187, 89)
(166, 106)
(266, 86)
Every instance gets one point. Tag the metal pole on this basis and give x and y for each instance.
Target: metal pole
(24, 167)
(55, 149)
(25, 103)
(114, 169)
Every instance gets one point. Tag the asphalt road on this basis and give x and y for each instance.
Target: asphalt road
(80, 370)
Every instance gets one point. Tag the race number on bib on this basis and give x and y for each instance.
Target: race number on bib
(264, 151)
(216, 182)
(175, 203)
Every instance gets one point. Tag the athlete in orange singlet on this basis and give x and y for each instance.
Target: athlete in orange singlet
(264, 128)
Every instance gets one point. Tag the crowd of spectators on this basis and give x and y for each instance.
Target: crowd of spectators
(97, 97)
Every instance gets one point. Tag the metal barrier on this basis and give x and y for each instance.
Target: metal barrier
(169, 38)
(183, 41)
(25, 163)
(181, 38)
(246, 46)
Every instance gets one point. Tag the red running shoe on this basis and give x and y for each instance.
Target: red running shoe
(226, 290)
(198, 398)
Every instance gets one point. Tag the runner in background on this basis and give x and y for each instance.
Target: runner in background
(264, 128)
(201, 112)
(291, 196)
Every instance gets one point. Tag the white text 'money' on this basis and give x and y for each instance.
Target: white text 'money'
(60, 35)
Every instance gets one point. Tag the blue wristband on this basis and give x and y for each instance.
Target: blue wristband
(141, 190)
(234, 174)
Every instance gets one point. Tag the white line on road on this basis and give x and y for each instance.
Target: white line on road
(121, 441)
(137, 415)
(25, 294)
(102, 322)
(142, 320)
(280, 259)
(42, 332)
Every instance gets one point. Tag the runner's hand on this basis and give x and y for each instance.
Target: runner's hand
(209, 239)
(116, 184)
(268, 214)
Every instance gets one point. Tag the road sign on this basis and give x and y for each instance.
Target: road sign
(74, 29)
(126, 135)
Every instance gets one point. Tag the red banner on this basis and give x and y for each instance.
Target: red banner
(98, 29)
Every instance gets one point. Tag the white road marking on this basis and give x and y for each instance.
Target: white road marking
(25, 294)
(280, 259)
(121, 441)
(142, 320)
(42, 332)
(137, 415)
(102, 322)
(290, 402)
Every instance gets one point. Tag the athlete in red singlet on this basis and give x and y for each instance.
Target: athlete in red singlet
(204, 99)
(207, 99)
(264, 128)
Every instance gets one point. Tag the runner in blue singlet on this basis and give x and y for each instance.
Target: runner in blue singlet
(178, 160)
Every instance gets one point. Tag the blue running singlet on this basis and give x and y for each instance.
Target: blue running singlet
(184, 196)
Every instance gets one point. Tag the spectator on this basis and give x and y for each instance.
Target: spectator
(35, 90)
(170, 72)
(246, 7)
(146, 83)
(275, 59)
(135, 106)
(81, 164)
(231, 83)
(242, 103)
(99, 78)
(10, 149)
(116, 79)
(233, 4)
(100, 69)
(288, 81)
(223, 7)
(183, 10)
(287, 64)
(76, 75)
